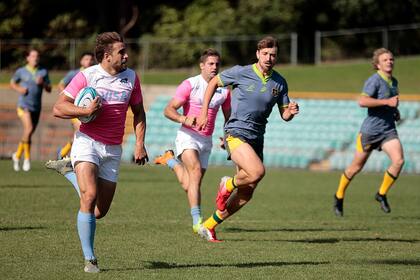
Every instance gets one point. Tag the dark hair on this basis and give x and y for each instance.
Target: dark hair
(267, 42)
(86, 53)
(376, 54)
(208, 52)
(28, 51)
(104, 43)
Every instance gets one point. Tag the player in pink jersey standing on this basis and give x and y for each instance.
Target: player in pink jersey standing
(193, 146)
(96, 150)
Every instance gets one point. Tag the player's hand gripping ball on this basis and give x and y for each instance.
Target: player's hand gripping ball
(83, 99)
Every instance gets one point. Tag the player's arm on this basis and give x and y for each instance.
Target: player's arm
(370, 102)
(17, 87)
(47, 87)
(65, 109)
(61, 86)
(226, 113)
(287, 113)
(139, 123)
(208, 95)
(44, 82)
(171, 112)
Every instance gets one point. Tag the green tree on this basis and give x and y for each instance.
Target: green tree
(202, 18)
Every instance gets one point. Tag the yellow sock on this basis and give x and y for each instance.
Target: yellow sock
(27, 150)
(344, 182)
(230, 184)
(19, 150)
(213, 221)
(387, 182)
(65, 150)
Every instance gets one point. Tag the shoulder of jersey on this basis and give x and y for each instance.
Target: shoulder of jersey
(194, 80)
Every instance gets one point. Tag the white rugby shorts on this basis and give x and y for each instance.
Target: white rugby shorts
(187, 139)
(106, 157)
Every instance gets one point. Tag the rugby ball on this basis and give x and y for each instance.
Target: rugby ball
(83, 99)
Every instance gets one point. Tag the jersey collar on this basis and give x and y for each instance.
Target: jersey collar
(31, 69)
(260, 74)
(385, 78)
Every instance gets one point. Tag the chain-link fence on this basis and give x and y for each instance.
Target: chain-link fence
(170, 53)
(360, 42)
(145, 54)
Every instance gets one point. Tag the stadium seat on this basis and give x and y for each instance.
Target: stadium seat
(324, 130)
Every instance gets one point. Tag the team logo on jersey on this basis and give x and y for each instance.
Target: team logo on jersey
(274, 92)
(124, 81)
(251, 87)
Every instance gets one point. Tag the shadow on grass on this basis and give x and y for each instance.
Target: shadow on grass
(32, 186)
(394, 262)
(19, 228)
(332, 240)
(165, 265)
(234, 229)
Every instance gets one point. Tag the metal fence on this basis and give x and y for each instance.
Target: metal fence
(175, 53)
(146, 53)
(360, 42)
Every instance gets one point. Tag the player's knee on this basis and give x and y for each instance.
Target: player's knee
(246, 193)
(101, 213)
(354, 169)
(256, 175)
(28, 130)
(398, 163)
(195, 172)
(88, 198)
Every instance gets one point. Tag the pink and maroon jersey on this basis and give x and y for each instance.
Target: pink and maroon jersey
(191, 91)
(117, 93)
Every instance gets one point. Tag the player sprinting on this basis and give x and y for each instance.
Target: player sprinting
(378, 131)
(86, 60)
(29, 81)
(193, 146)
(256, 89)
(96, 152)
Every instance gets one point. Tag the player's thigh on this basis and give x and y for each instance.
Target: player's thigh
(191, 160)
(86, 173)
(393, 149)
(105, 194)
(360, 158)
(25, 118)
(247, 159)
(35, 119)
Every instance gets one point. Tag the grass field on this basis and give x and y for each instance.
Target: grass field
(337, 77)
(288, 231)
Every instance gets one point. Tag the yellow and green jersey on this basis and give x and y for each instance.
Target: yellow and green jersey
(380, 119)
(253, 98)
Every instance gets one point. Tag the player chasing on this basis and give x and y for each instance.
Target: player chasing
(29, 81)
(256, 89)
(378, 131)
(96, 152)
(193, 146)
(86, 60)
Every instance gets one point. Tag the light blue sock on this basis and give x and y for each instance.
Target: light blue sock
(172, 162)
(86, 225)
(71, 176)
(196, 214)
